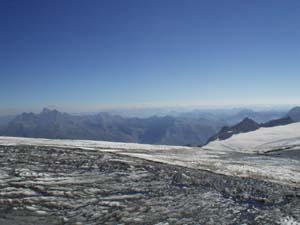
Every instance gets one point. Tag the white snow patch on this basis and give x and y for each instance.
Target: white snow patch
(289, 221)
(83, 144)
(261, 140)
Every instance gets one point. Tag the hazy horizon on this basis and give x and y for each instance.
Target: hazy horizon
(148, 110)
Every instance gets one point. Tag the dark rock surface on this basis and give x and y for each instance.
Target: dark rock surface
(244, 126)
(278, 122)
(50, 185)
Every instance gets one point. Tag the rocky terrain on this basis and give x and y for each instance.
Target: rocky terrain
(250, 178)
(57, 185)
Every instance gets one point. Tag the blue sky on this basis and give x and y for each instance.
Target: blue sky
(96, 53)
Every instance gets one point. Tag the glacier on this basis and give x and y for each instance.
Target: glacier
(251, 178)
(254, 154)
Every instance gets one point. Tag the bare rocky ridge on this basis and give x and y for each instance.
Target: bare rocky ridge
(248, 125)
(55, 185)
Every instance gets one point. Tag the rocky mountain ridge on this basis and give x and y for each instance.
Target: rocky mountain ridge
(248, 125)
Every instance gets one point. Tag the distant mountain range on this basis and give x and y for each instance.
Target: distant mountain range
(194, 128)
(107, 127)
(5, 119)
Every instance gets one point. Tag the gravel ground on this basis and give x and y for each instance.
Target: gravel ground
(51, 185)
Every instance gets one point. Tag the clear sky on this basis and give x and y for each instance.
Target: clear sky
(77, 53)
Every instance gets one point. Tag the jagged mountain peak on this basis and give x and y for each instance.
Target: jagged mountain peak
(247, 122)
(50, 111)
(246, 125)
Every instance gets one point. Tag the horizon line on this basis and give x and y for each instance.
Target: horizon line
(7, 111)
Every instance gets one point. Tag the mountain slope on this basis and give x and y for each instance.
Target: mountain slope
(263, 140)
(248, 125)
(4, 120)
(294, 114)
(278, 122)
(244, 126)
